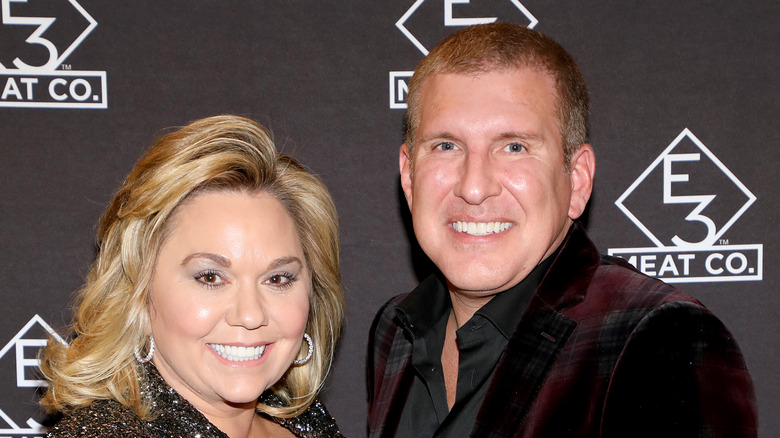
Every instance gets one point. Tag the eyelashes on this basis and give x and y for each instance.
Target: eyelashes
(511, 147)
(281, 280)
(515, 148)
(446, 146)
(211, 279)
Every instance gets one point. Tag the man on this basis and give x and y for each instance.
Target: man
(527, 331)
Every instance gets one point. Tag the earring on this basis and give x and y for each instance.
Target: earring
(309, 354)
(148, 356)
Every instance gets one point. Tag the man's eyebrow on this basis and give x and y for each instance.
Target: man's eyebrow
(520, 135)
(444, 135)
(219, 259)
(509, 135)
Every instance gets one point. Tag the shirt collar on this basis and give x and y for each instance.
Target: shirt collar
(430, 301)
(507, 307)
(422, 309)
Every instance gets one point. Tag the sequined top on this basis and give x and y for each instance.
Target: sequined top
(175, 418)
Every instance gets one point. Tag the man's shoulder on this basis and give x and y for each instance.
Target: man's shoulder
(616, 275)
(101, 418)
(618, 291)
(388, 349)
(386, 315)
(384, 320)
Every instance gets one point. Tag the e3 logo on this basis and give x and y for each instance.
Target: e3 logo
(20, 353)
(416, 26)
(465, 14)
(684, 202)
(36, 37)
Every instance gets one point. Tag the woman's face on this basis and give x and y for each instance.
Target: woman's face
(229, 298)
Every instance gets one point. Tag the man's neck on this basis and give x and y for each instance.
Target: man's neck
(450, 359)
(464, 306)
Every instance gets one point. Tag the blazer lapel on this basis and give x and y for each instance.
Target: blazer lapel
(396, 383)
(538, 339)
(521, 371)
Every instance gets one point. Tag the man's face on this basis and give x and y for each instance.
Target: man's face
(487, 189)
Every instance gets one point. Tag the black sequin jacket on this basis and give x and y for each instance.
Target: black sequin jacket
(175, 418)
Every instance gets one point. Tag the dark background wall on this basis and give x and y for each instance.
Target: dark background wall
(318, 74)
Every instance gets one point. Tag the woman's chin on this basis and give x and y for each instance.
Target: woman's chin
(241, 401)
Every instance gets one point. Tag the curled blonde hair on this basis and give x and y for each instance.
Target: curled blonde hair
(111, 316)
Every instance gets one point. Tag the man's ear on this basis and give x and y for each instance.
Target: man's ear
(583, 167)
(405, 163)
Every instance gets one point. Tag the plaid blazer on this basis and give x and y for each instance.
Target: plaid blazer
(601, 351)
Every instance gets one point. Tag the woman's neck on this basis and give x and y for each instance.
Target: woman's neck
(235, 421)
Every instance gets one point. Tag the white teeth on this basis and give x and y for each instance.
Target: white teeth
(235, 353)
(481, 228)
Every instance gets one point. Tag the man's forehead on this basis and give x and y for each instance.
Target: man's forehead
(486, 69)
(433, 87)
(504, 86)
(439, 85)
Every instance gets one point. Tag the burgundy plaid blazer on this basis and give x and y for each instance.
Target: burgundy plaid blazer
(601, 351)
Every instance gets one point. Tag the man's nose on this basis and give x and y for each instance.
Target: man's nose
(478, 179)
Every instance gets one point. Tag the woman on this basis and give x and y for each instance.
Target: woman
(214, 303)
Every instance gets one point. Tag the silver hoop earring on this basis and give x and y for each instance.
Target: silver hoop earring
(309, 354)
(148, 356)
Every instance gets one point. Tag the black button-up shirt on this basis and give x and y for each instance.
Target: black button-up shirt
(481, 341)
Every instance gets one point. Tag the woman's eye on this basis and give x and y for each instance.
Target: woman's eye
(514, 148)
(281, 281)
(278, 279)
(210, 279)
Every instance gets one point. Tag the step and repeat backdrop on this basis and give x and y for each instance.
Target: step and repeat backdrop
(87, 85)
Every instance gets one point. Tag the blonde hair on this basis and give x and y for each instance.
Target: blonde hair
(111, 318)
(499, 47)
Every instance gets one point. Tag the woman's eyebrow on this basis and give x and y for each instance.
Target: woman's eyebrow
(221, 260)
(286, 261)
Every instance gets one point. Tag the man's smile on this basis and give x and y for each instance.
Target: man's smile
(481, 228)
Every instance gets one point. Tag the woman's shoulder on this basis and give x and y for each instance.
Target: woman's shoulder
(102, 418)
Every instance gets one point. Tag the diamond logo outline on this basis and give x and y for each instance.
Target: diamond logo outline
(722, 167)
(408, 34)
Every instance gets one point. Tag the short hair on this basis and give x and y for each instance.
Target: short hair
(504, 46)
(221, 153)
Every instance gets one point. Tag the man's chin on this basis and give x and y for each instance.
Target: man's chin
(477, 286)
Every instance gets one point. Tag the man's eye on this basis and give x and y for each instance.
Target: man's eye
(446, 146)
(514, 147)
